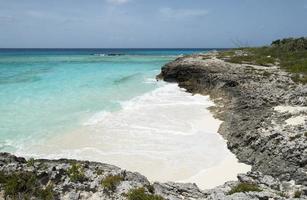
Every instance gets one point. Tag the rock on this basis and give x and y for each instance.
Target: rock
(246, 97)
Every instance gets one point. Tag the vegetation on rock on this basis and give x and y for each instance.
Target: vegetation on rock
(76, 173)
(24, 185)
(290, 54)
(244, 187)
(297, 194)
(111, 182)
(140, 194)
(30, 162)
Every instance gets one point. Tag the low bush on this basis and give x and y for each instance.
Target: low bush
(111, 182)
(290, 53)
(140, 194)
(297, 194)
(76, 173)
(24, 185)
(30, 162)
(244, 187)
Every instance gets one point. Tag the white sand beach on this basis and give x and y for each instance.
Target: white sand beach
(166, 135)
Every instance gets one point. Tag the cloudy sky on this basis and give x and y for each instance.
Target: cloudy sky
(148, 23)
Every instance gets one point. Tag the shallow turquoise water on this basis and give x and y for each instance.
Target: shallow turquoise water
(48, 92)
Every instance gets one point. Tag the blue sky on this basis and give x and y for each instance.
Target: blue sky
(149, 23)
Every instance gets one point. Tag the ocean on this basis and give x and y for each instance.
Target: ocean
(105, 105)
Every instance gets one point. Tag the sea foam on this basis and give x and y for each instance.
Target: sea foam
(166, 134)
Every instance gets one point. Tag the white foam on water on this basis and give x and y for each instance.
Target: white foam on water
(167, 135)
(96, 118)
(150, 81)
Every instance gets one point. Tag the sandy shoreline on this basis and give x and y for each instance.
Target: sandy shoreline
(166, 135)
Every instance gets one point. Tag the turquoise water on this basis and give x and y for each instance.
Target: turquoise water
(44, 93)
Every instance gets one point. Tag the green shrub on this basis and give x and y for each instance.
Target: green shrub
(244, 187)
(295, 137)
(139, 194)
(20, 183)
(76, 173)
(290, 53)
(23, 185)
(297, 194)
(30, 162)
(46, 194)
(111, 182)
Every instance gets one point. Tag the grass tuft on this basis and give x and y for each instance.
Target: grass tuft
(297, 194)
(140, 194)
(290, 54)
(76, 173)
(30, 162)
(111, 182)
(244, 187)
(24, 185)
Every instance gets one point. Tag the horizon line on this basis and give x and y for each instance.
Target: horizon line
(85, 48)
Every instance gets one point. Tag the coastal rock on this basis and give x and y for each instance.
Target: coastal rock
(86, 182)
(246, 96)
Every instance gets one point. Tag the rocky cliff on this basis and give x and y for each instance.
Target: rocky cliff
(263, 111)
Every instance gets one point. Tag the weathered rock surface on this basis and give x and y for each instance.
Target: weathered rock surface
(56, 173)
(272, 140)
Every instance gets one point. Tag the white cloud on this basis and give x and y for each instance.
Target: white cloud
(118, 2)
(182, 13)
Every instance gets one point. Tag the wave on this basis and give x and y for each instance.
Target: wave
(96, 118)
(166, 134)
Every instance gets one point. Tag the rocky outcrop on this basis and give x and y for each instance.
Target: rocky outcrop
(71, 179)
(263, 111)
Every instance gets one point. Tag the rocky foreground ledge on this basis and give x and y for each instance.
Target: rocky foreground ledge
(71, 179)
(264, 120)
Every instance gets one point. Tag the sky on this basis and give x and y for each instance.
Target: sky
(149, 23)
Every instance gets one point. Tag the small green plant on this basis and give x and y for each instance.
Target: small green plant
(46, 194)
(294, 137)
(244, 187)
(111, 182)
(30, 162)
(20, 183)
(76, 173)
(140, 194)
(297, 194)
(24, 185)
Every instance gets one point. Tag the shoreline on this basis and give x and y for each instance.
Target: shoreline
(156, 165)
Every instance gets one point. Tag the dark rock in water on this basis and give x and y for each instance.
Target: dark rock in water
(115, 54)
